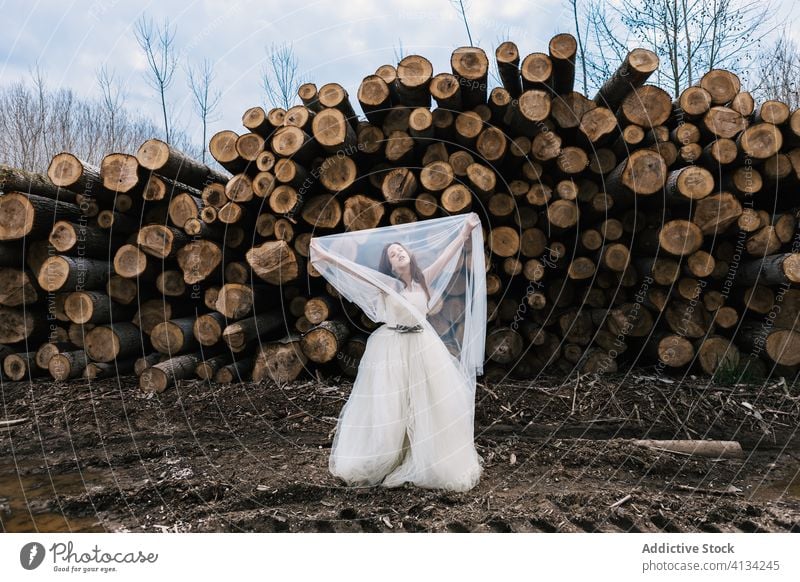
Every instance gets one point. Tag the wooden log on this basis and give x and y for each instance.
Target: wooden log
(598, 125)
(47, 350)
(724, 122)
(68, 238)
(690, 183)
(563, 50)
(375, 98)
(222, 147)
(778, 269)
(637, 67)
(760, 141)
(28, 215)
(60, 273)
(199, 260)
(238, 334)
(715, 353)
(699, 448)
(161, 376)
(414, 74)
(18, 366)
(470, 66)
(714, 214)
(67, 365)
(646, 106)
(161, 241)
(237, 371)
(507, 58)
(280, 362)
(721, 84)
(644, 172)
(208, 327)
(106, 343)
(165, 160)
(175, 336)
(529, 111)
(93, 307)
(321, 343)
(274, 262)
(17, 287)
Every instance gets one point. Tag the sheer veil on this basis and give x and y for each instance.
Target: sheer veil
(455, 272)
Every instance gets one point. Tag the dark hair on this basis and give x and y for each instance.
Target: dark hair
(417, 275)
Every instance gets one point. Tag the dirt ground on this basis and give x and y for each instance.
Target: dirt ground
(559, 457)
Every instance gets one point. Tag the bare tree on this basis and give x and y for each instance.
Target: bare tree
(462, 12)
(399, 52)
(778, 68)
(158, 46)
(690, 36)
(579, 17)
(112, 99)
(206, 100)
(280, 77)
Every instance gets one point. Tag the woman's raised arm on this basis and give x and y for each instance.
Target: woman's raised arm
(434, 269)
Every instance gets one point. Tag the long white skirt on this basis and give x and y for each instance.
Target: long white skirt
(409, 418)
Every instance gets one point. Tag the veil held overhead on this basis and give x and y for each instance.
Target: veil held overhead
(448, 251)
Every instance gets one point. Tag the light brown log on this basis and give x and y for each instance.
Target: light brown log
(470, 66)
(598, 125)
(280, 362)
(698, 448)
(716, 213)
(690, 183)
(161, 376)
(68, 171)
(527, 114)
(122, 289)
(337, 173)
(724, 122)
(720, 152)
(398, 185)
(165, 160)
(634, 71)
(92, 307)
(237, 371)
(563, 50)
(414, 73)
(60, 273)
(222, 147)
(507, 57)
(760, 141)
(715, 353)
(568, 110)
(28, 215)
(322, 342)
(174, 336)
(361, 212)
(563, 214)
(292, 142)
(722, 85)
(207, 328)
(375, 98)
(644, 172)
(152, 312)
(18, 366)
(47, 351)
(106, 343)
(274, 262)
(67, 365)
(646, 106)
(680, 237)
(161, 241)
(199, 260)
(504, 241)
(333, 132)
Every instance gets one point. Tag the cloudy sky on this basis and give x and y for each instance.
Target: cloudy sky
(334, 40)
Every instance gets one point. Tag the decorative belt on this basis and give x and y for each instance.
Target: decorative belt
(407, 328)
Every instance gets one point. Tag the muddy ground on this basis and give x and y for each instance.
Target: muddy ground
(559, 457)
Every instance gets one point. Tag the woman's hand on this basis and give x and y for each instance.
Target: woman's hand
(472, 222)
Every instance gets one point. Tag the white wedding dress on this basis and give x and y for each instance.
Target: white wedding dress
(410, 415)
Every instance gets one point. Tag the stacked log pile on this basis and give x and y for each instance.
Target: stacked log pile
(623, 229)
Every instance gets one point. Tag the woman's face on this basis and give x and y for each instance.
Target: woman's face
(398, 257)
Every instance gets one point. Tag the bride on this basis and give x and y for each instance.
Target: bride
(410, 415)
